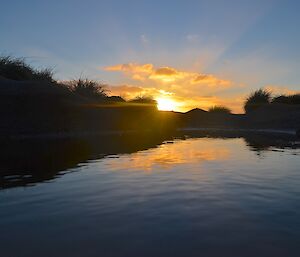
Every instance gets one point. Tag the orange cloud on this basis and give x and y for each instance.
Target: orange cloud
(167, 71)
(168, 75)
(210, 80)
(281, 90)
(131, 67)
(138, 72)
(129, 91)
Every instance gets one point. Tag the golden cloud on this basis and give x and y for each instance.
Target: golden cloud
(167, 71)
(131, 67)
(168, 75)
(138, 72)
(129, 91)
(281, 90)
(211, 80)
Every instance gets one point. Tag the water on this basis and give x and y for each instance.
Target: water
(193, 197)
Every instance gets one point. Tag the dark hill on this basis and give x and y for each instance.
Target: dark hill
(280, 116)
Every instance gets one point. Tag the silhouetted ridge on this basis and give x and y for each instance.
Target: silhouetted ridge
(196, 111)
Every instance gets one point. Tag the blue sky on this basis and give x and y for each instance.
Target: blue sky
(250, 43)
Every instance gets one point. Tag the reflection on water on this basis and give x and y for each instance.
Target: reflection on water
(28, 161)
(137, 195)
(168, 155)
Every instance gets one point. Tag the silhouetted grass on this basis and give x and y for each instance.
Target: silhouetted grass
(116, 99)
(219, 109)
(257, 99)
(18, 69)
(88, 88)
(263, 97)
(143, 100)
(44, 74)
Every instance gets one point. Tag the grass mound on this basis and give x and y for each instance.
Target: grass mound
(18, 69)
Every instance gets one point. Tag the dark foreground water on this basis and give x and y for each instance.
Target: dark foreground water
(192, 197)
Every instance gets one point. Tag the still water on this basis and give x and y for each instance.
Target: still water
(182, 197)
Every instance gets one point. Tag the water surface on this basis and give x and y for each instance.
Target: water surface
(192, 197)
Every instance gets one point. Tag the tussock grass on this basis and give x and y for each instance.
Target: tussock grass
(143, 99)
(88, 88)
(18, 69)
(257, 99)
(219, 109)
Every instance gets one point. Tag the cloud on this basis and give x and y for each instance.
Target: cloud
(281, 90)
(211, 80)
(192, 38)
(167, 71)
(131, 68)
(168, 75)
(144, 39)
(130, 91)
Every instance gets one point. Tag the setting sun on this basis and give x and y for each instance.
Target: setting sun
(166, 104)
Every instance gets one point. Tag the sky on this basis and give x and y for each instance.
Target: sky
(184, 53)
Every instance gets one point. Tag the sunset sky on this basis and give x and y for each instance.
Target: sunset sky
(186, 53)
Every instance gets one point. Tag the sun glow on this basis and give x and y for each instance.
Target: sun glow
(166, 104)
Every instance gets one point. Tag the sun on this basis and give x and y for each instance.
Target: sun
(166, 104)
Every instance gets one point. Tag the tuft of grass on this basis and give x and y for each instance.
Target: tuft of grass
(257, 99)
(143, 99)
(18, 69)
(219, 109)
(44, 74)
(88, 88)
(116, 99)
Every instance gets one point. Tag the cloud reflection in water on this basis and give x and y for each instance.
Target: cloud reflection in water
(170, 154)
